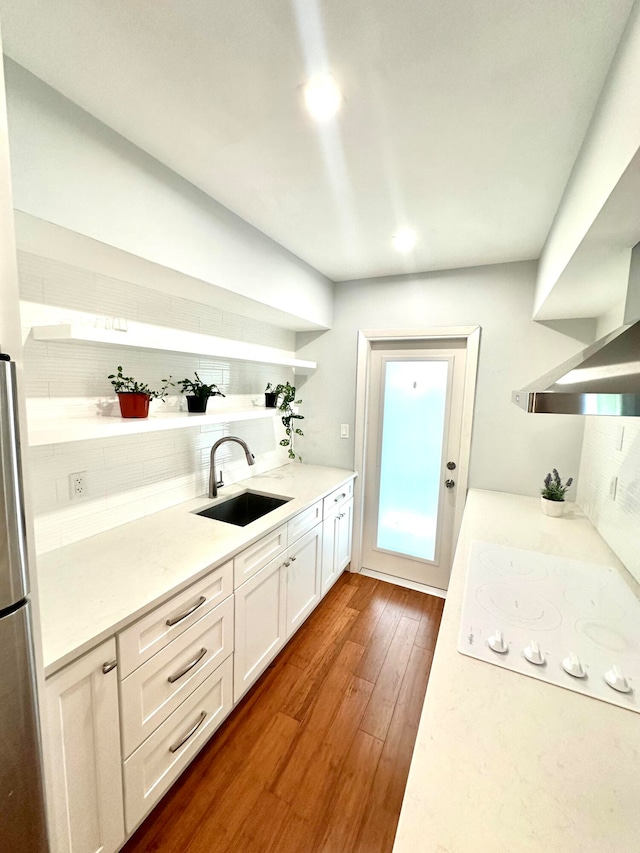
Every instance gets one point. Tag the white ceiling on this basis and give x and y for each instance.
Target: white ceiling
(461, 119)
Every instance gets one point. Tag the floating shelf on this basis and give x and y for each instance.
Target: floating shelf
(81, 429)
(146, 336)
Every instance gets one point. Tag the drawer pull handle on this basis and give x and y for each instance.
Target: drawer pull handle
(293, 559)
(185, 669)
(190, 733)
(340, 515)
(175, 619)
(287, 563)
(107, 666)
(339, 498)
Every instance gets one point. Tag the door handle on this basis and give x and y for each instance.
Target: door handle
(449, 483)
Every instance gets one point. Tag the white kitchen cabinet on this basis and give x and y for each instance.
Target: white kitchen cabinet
(82, 748)
(161, 758)
(272, 605)
(149, 635)
(248, 562)
(260, 624)
(336, 544)
(304, 521)
(303, 566)
(151, 693)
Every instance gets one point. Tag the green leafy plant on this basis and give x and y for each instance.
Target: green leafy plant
(128, 385)
(287, 399)
(553, 489)
(199, 388)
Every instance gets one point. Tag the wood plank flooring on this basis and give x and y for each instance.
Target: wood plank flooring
(316, 757)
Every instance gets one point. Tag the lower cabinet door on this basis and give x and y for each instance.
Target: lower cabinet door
(82, 752)
(345, 528)
(151, 770)
(336, 546)
(259, 624)
(303, 565)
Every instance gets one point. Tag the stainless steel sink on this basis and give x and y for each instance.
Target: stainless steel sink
(243, 509)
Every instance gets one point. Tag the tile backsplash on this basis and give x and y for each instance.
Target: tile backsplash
(609, 484)
(129, 477)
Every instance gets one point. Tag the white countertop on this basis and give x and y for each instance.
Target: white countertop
(93, 588)
(510, 764)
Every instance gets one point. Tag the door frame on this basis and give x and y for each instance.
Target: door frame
(366, 339)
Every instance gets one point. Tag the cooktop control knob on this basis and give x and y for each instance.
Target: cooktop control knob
(496, 643)
(617, 680)
(533, 654)
(573, 666)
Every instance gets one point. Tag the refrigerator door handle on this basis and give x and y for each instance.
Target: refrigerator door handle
(13, 574)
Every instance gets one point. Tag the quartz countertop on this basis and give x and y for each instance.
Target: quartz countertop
(94, 587)
(510, 764)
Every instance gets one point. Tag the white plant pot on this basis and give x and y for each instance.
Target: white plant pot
(553, 508)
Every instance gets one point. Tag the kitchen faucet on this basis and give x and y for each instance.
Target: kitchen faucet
(213, 484)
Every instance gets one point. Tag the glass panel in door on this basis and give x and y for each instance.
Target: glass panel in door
(413, 424)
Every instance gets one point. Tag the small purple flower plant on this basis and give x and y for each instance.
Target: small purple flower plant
(553, 489)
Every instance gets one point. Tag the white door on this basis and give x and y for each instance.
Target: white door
(414, 421)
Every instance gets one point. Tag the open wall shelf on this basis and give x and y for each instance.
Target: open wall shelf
(57, 431)
(146, 336)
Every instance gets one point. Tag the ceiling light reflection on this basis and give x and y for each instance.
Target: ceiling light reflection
(404, 240)
(323, 98)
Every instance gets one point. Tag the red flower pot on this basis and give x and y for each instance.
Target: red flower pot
(134, 405)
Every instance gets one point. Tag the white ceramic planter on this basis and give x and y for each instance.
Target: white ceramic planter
(553, 508)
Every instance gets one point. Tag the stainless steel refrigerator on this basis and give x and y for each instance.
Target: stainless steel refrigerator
(22, 816)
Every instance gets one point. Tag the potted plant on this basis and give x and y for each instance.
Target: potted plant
(134, 396)
(198, 393)
(553, 493)
(270, 398)
(287, 393)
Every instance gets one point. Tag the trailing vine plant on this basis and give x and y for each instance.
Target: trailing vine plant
(286, 400)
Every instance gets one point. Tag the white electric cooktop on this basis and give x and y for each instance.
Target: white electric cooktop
(573, 624)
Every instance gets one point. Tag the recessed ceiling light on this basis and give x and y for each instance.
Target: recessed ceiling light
(404, 240)
(323, 98)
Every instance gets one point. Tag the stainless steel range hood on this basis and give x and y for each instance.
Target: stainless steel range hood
(603, 379)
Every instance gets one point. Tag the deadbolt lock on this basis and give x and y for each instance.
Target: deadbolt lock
(451, 466)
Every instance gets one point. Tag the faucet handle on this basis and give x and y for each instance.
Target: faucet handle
(220, 482)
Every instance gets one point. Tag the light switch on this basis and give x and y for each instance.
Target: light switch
(344, 430)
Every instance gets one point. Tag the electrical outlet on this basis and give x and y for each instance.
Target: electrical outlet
(77, 485)
(344, 430)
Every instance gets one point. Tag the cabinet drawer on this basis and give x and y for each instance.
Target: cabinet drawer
(155, 765)
(336, 498)
(256, 556)
(304, 521)
(158, 687)
(150, 634)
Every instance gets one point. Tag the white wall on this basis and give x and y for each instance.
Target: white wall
(512, 451)
(130, 477)
(611, 450)
(69, 169)
(611, 142)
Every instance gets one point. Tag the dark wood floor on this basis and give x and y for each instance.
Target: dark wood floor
(316, 756)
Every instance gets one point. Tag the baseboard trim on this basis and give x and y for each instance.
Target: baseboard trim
(419, 587)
